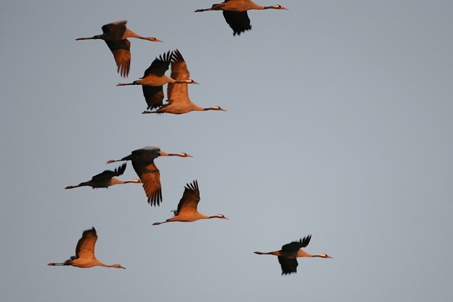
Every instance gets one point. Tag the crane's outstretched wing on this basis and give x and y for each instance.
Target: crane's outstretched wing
(121, 54)
(289, 265)
(85, 246)
(108, 174)
(178, 92)
(190, 198)
(150, 176)
(296, 245)
(238, 21)
(154, 96)
(160, 65)
(116, 30)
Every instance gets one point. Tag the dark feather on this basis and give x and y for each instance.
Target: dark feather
(289, 265)
(238, 21)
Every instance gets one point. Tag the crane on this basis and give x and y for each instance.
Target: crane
(85, 253)
(143, 163)
(115, 35)
(287, 256)
(106, 179)
(235, 13)
(153, 80)
(187, 207)
(178, 96)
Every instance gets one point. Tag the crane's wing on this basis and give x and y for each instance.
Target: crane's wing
(115, 30)
(150, 177)
(178, 92)
(108, 174)
(289, 265)
(160, 65)
(154, 96)
(85, 246)
(122, 55)
(190, 198)
(238, 21)
(296, 245)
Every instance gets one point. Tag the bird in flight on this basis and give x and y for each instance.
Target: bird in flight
(85, 253)
(289, 253)
(143, 163)
(187, 207)
(235, 13)
(115, 35)
(153, 80)
(178, 96)
(106, 179)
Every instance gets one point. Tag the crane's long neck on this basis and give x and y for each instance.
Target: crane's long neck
(301, 253)
(116, 181)
(152, 39)
(96, 262)
(79, 185)
(162, 153)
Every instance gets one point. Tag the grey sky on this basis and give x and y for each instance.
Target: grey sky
(338, 125)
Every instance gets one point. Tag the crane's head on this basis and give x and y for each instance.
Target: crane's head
(152, 39)
(221, 216)
(215, 108)
(322, 256)
(117, 266)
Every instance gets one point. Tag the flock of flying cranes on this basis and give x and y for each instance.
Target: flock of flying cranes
(115, 35)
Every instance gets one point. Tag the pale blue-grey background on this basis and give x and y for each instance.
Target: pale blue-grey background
(338, 125)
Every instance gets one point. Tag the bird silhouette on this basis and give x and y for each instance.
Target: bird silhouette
(287, 256)
(143, 163)
(178, 96)
(235, 13)
(187, 207)
(106, 179)
(115, 35)
(85, 253)
(153, 80)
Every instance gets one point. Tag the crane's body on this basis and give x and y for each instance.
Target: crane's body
(115, 35)
(153, 80)
(143, 163)
(178, 96)
(187, 207)
(287, 256)
(235, 13)
(106, 179)
(85, 253)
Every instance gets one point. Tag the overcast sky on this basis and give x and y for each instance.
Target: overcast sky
(338, 124)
